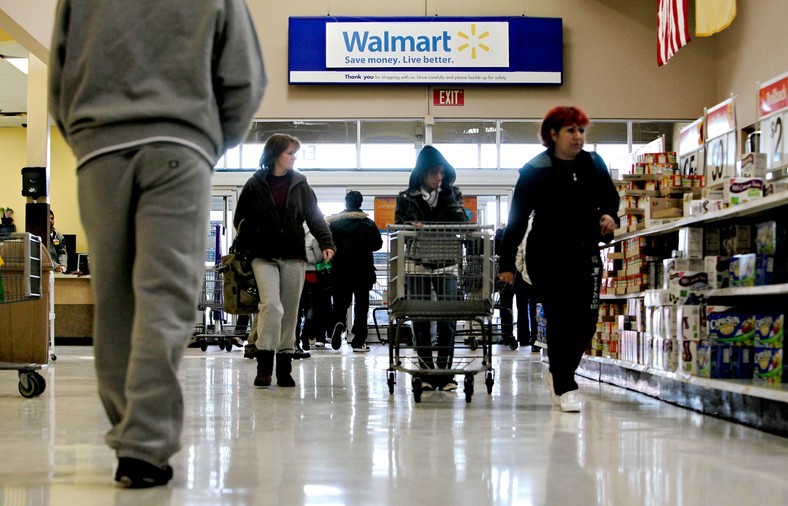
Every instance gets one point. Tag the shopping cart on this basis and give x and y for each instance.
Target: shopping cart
(20, 280)
(211, 323)
(440, 272)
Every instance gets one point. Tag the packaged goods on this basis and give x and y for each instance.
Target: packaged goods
(731, 328)
(741, 362)
(736, 239)
(768, 365)
(666, 207)
(691, 242)
(688, 361)
(738, 190)
(742, 270)
(713, 241)
(713, 359)
(718, 270)
(769, 330)
(691, 321)
(752, 165)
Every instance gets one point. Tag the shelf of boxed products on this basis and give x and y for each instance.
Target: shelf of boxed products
(740, 401)
(751, 208)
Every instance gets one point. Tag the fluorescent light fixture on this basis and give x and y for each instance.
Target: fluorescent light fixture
(19, 63)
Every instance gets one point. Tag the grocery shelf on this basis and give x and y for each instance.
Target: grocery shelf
(741, 401)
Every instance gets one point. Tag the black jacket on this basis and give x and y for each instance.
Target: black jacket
(356, 237)
(270, 235)
(567, 199)
(411, 206)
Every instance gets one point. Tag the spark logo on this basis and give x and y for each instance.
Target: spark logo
(476, 41)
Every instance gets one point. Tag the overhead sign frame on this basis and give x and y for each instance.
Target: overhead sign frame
(425, 50)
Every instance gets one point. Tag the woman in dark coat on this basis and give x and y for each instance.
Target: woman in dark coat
(272, 208)
(573, 202)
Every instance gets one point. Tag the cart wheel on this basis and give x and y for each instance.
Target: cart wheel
(203, 345)
(220, 343)
(390, 378)
(228, 346)
(31, 384)
(489, 380)
(473, 343)
(513, 344)
(417, 389)
(53, 357)
(468, 388)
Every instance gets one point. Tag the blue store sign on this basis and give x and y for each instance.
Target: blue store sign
(425, 50)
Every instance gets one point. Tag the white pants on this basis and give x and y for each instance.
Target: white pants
(280, 283)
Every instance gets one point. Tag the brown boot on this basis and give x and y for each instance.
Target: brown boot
(284, 367)
(265, 368)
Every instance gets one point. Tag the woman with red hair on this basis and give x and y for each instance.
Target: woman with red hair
(563, 206)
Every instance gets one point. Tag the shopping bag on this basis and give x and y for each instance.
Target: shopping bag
(239, 286)
(239, 289)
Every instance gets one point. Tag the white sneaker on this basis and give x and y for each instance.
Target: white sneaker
(570, 402)
(548, 381)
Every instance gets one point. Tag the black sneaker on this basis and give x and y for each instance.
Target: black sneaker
(298, 354)
(135, 473)
(336, 336)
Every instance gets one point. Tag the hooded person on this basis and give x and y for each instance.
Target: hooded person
(353, 273)
(432, 197)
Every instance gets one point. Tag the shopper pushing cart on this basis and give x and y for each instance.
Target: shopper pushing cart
(444, 273)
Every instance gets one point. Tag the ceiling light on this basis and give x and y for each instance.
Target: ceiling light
(19, 63)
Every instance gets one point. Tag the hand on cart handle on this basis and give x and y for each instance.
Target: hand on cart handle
(507, 277)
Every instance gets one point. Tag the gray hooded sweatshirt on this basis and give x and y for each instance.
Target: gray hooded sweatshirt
(125, 73)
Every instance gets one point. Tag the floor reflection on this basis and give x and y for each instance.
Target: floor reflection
(340, 438)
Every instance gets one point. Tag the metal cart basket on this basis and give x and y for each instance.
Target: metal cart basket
(440, 272)
(20, 280)
(211, 316)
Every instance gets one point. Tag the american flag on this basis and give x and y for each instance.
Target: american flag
(672, 28)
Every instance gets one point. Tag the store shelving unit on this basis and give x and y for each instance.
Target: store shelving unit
(760, 406)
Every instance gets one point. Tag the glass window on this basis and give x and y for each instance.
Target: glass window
(390, 144)
(467, 144)
(519, 143)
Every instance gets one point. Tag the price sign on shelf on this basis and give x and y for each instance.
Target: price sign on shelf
(721, 146)
(691, 152)
(773, 109)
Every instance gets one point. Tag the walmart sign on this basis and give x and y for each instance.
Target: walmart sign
(489, 50)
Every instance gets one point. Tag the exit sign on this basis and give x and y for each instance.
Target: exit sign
(448, 97)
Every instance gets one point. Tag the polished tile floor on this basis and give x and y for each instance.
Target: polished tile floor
(339, 438)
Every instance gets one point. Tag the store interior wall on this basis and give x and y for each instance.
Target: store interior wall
(609, 69)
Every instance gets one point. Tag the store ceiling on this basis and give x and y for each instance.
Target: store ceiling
(13, 84)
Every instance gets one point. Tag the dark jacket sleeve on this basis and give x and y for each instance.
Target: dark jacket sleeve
(519, 212)
(451, 206)
(375, 240)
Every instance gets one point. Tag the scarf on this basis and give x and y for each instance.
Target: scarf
(430, 196)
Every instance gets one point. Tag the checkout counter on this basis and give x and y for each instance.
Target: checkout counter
(73, 306)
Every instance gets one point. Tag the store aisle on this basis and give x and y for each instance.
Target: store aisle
(339, 438)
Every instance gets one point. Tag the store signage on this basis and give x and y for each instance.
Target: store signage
(773, 109)
(425, 50)
(691, 149)
(441, 97)
(721, 145)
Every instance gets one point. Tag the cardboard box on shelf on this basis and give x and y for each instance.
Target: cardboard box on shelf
(718, 269)
(738, 190)
(691, 242)
(752, 165)
(742, 270)
(665, 208)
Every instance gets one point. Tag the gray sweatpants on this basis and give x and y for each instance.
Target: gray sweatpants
(280, 283)
(145, 211)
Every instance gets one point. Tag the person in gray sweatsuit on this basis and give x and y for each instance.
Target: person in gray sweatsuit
(149, 95)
